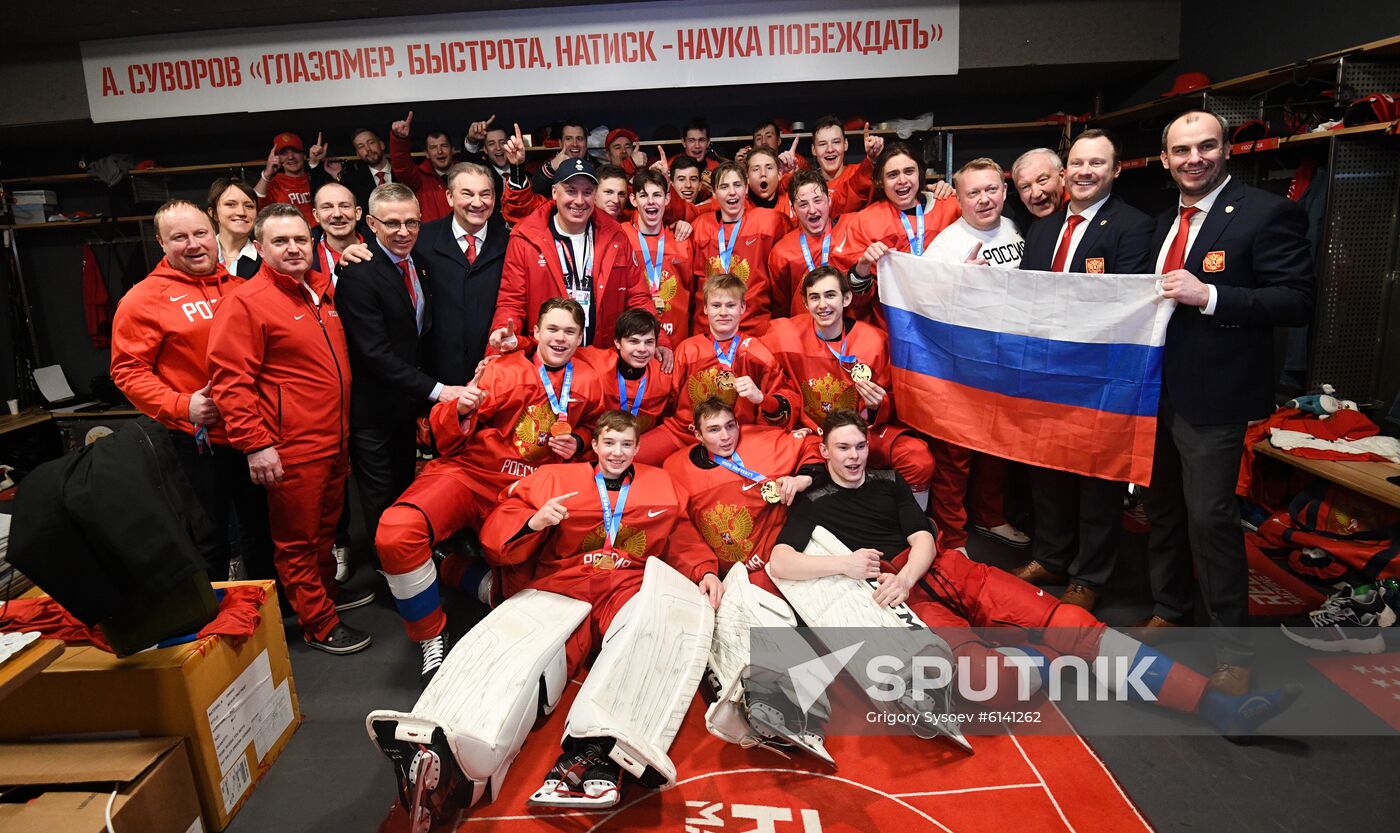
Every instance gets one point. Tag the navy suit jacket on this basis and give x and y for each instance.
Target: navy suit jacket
(1253, 247)
(1119, 234)
(462, 297)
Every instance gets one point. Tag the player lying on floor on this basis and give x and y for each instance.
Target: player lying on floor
(592, 556)
(874, 517)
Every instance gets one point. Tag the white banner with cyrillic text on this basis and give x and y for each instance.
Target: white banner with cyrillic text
(478, 55)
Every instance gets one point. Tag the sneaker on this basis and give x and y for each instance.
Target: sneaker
(342, 563)
(434, 652)
(583, 778)
(1005, 533)
(349, 600)
(1235, 716)
(342, 639)
(1349, 621)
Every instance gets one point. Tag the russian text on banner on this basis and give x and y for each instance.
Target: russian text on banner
(1060, 370)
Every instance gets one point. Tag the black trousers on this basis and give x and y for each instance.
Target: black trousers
(1195, 521)
(236, 508)
(1078, 521)
(383, 460)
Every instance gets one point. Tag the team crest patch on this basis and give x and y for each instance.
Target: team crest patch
(1093, 265)
(1214, 262)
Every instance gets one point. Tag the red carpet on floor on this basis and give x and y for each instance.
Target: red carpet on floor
(1035, 784)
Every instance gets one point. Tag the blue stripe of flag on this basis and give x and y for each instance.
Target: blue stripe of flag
(421, 605)
(1102, 377)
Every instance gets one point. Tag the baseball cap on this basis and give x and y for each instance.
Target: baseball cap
(571, 168)
(617, 133)
(282, 141)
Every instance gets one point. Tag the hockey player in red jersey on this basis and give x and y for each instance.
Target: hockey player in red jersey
(726, 364)
(768, 184)
(840, 364)
(588, 531)
(632, 377)
(901, 217)
(522, 411)
(809, 246)
(739, 480)
(735, 239)
(665, 260)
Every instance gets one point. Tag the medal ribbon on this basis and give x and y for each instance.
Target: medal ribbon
(916, 243)
(736, 464)
(841, 357)
(726, 252)
(726, 357)
(560, 403)
(807, 253)
(653, 267)
(612, 516)
(622, 394)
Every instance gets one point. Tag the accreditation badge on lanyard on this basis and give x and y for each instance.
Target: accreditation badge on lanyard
(579, 281)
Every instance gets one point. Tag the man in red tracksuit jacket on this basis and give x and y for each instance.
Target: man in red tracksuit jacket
(569, 249)
(281, 375)
(428, 178)
(160, 337)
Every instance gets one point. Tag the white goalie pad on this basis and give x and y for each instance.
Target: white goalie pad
(840, 601)
(646, 674)
(492, 687)
(743, 608)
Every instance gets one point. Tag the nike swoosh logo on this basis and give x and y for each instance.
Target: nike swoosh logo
(750, 241)
(750, 486)
(651, 513)
(299, 317)
(174, 298)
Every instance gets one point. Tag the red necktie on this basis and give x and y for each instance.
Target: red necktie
(379, 176)
(1062, 251)
(408, 282)
(470, 248)
(1176, 254)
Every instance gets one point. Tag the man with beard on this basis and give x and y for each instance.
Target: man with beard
(374, 169)
(1238, 263)
(428, 178)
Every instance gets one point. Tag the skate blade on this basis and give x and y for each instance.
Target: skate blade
(814, 748)
(550, 796)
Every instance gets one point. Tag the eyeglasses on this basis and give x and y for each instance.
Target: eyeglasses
(395, 225)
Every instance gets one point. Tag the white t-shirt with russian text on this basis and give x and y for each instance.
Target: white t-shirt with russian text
(1001, 246)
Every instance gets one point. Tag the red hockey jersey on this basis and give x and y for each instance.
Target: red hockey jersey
(757, 231)
(823, 381)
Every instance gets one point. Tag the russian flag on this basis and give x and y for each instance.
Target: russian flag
(1059, 370)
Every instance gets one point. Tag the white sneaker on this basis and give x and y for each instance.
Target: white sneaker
(342, 563)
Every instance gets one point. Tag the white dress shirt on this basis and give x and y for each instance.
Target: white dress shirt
(1197, 220)
(1079, 231)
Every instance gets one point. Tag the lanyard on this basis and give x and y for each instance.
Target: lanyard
(841, 357)
(559, 403)
(726, 357)
(726, 252)
(654, 267)
(573, 278)
(622, 394)
(807, 253)
(916, 244)
(736, 464)
(612, 516)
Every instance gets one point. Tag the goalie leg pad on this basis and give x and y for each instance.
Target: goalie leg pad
(646, 674)
(744, 606)
(498, 679)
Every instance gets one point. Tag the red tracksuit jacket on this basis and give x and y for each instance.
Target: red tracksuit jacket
(532, 274)
(160, 340)
(280, 368)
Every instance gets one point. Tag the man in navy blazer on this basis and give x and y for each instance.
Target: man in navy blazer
(1077, 518)
(464, 274)
(1237, 261)
(385, 308)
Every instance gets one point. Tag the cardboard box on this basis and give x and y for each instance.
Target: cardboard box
(49, 198)
(65, 787)
(235, 704)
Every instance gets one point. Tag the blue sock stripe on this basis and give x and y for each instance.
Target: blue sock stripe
(421, 605)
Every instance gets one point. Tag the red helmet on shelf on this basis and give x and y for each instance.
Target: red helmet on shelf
(1187, 82)
(1374, 108)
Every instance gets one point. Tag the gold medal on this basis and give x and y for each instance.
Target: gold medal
(660, 304)
(725, 380)
(561, 429)
(770, 491)
(860, 372)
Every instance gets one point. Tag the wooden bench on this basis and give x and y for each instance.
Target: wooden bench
(1361, 477)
